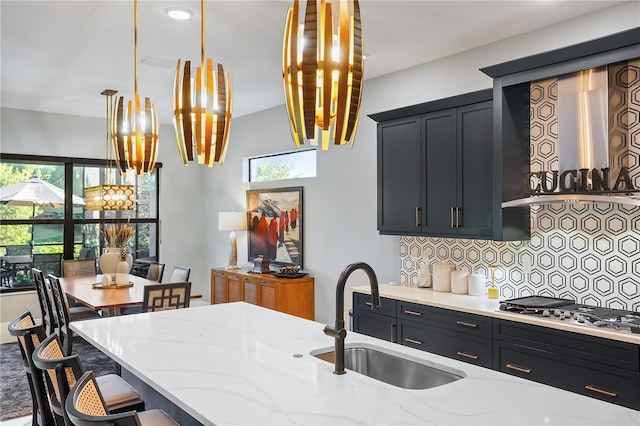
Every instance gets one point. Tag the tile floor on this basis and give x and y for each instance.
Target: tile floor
(20, 421)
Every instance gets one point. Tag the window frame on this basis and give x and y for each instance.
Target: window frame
(248, 166)
(69, 222)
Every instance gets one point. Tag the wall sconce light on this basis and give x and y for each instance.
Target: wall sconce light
(232, 221)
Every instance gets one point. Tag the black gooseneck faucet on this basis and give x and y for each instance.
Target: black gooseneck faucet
(338, 331)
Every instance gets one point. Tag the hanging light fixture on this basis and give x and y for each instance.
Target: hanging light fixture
(202, 112)
(109, 196)
(322, 69)
(135, 127)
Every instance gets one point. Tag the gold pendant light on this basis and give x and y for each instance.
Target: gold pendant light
(202, 114)
(322, 69)
(109, 196)
(135, 127)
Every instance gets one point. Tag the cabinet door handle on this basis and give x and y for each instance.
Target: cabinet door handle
(418, 224)
(518, 368)
(602, 391)
(466, 355)
(467, 324)
(453, 225)
(368, 303)
(392, 335)
(414, 341)
(458, 224)
(414, 313)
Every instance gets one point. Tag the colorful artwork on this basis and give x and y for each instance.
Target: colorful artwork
(275, 224)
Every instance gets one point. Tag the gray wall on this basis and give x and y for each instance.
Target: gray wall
(340, 203)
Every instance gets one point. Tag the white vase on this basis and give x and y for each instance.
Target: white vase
(122, 273)
(110, 259)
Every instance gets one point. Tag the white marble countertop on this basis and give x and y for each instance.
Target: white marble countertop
(234, 364)
(482, 305)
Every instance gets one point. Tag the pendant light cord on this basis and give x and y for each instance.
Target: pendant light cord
(135, 47)
(202, 34)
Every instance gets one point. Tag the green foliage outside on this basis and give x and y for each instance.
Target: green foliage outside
(273, 170)
(16, 173)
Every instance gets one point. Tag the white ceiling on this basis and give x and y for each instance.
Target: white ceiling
(57, 56)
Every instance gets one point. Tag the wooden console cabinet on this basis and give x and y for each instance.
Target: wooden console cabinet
(293, 296)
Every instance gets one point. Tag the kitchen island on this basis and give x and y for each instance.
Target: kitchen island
(241, 364)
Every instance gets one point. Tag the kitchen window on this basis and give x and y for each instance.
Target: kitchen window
(284, 165)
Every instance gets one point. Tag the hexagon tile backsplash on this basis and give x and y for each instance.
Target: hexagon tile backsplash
(587, 252)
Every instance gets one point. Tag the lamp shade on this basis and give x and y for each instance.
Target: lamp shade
(232, 221)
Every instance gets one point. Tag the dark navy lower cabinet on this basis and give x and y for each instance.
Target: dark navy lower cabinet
(600, 368)
(463, 347)
(379, 323)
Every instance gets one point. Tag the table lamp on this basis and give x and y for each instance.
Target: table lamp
(232, 221)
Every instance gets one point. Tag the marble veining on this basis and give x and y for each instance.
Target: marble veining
(234, 364)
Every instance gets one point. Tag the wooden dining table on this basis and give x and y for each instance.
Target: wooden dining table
(80, 289)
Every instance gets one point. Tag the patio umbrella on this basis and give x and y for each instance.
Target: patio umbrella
(35, 192)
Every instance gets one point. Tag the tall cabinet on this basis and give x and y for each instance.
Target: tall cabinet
(436, 170)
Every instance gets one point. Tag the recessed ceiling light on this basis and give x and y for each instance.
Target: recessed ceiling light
(179, 13)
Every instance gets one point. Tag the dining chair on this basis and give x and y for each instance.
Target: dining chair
(155, 272)
(62, 372)
(77, 267)
(29, 335)
(45, 302)
(63, 314)
(86, 406)
(180, 274)
(162, 297)
(19, 250)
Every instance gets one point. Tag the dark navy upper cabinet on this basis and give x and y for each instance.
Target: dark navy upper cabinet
(435, 168)
(399, 175)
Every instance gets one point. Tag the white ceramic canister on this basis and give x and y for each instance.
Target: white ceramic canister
(441, 279)
(459, 283)
(476, 284)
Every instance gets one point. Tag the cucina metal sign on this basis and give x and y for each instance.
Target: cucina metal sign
(580, 181)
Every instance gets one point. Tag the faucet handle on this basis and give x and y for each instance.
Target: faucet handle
(332, 332)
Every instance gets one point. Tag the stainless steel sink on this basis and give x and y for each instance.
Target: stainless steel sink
(392, 367)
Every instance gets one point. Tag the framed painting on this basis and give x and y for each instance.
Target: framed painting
(274, 225)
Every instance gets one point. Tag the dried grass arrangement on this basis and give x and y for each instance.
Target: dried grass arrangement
(117, 234)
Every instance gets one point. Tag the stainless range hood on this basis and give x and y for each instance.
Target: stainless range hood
(583, 148)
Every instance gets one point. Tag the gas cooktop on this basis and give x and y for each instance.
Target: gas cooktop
(556, 309)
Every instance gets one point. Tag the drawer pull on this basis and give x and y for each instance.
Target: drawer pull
(368, 303)
(595, 389)
(467, 324)
(517, 368)
(416, 342)
(417, 314)
(467, 355)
